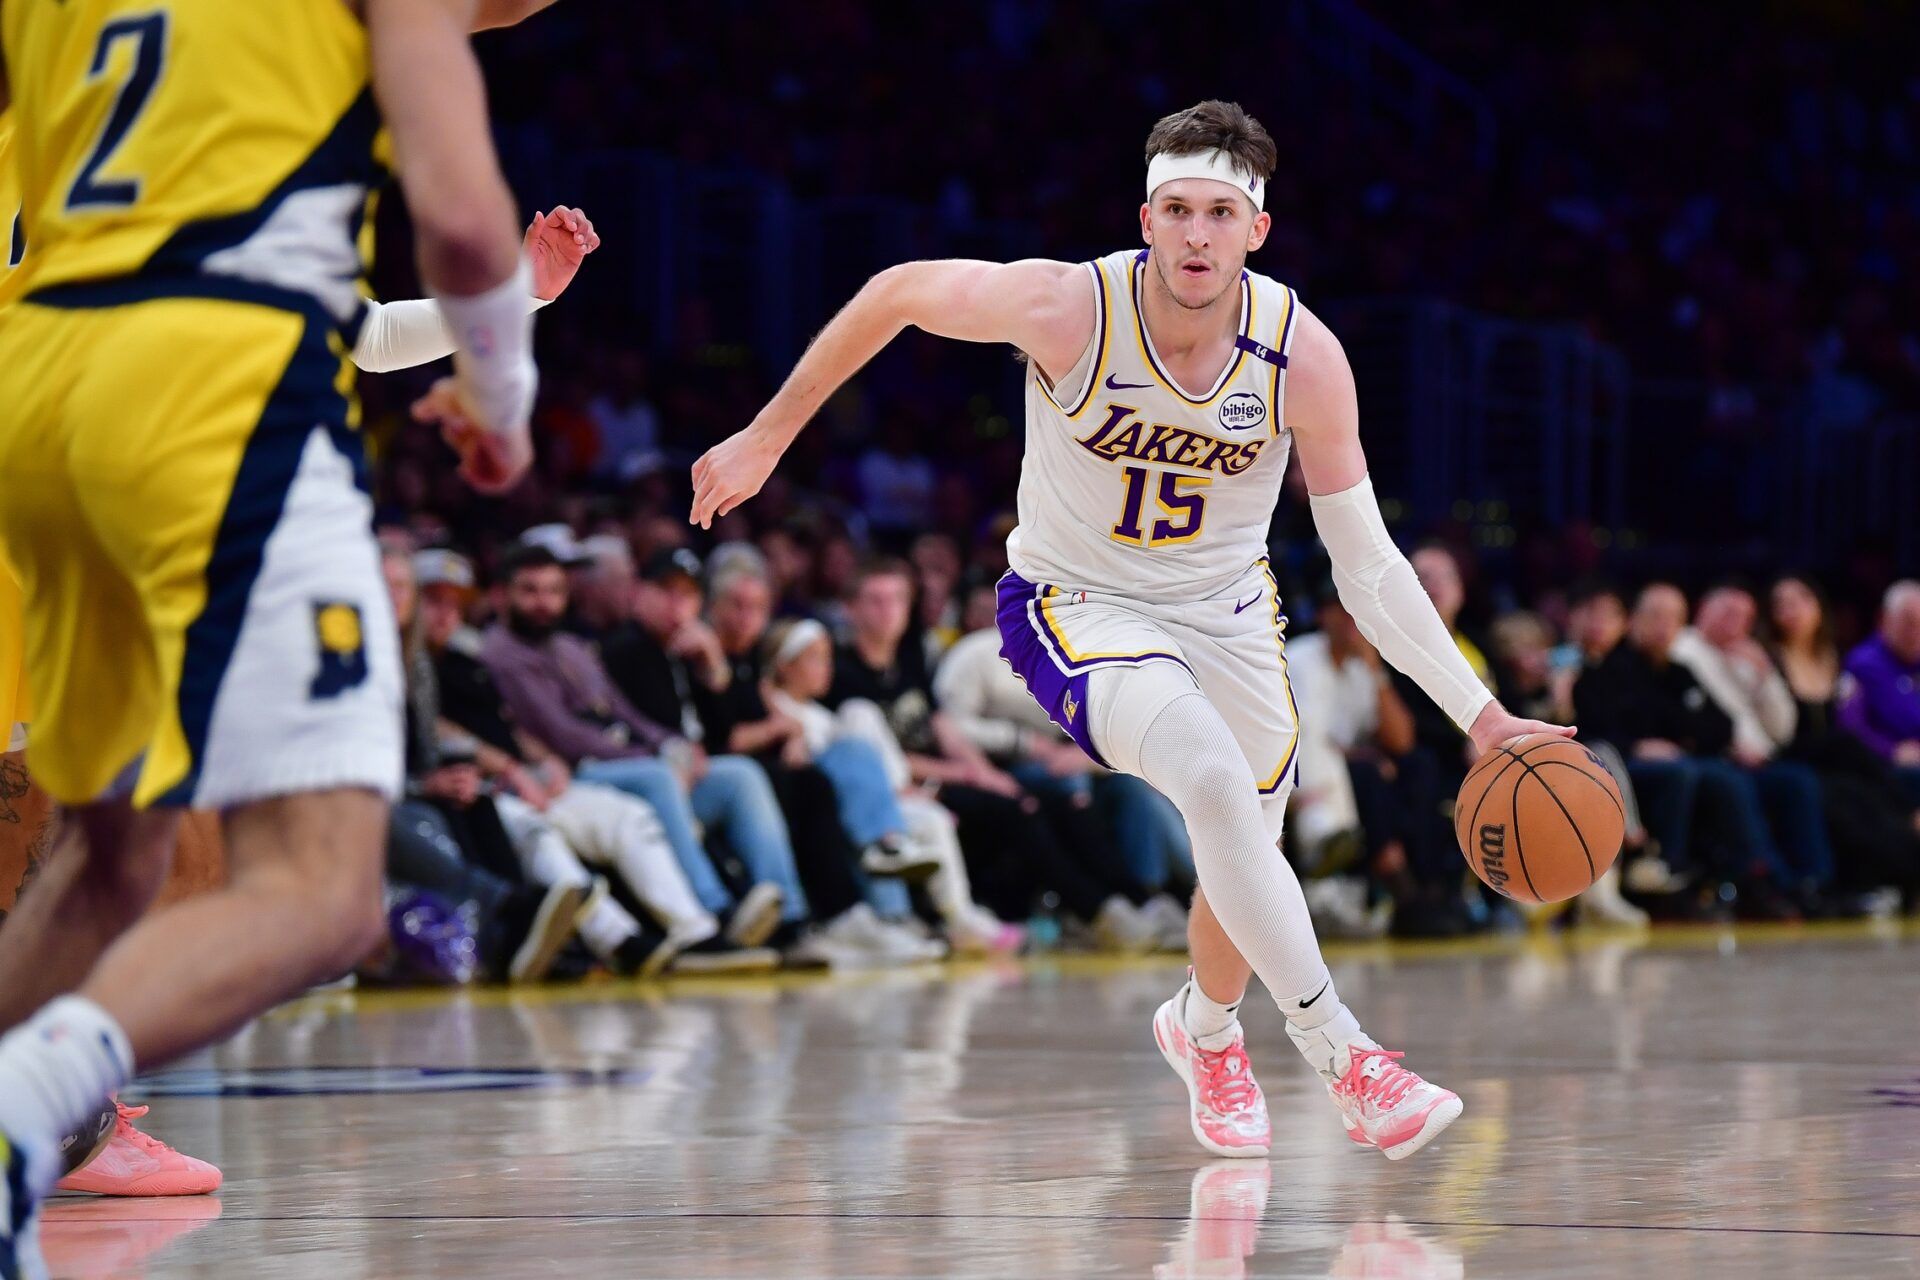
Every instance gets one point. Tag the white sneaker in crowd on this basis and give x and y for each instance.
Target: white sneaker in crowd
(1120, 926)
(1169, 921)
(1602, 903)
(1338, 905)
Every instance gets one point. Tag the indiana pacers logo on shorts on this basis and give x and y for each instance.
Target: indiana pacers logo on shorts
(343, 648)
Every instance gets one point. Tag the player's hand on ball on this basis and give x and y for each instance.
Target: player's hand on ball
(1496, 725)
(556, 244)
(490, 461)
(730, 473)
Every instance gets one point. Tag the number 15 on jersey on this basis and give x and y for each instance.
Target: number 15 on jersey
(1183, 513)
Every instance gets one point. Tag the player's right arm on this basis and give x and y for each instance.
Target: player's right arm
(430, 91)
(1044, 308)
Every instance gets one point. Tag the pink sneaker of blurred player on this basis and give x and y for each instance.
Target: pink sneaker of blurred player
(137, 1164)
(1228, 1112)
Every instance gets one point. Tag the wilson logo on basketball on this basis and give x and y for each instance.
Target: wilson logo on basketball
(1493, 855)
(1241, 410)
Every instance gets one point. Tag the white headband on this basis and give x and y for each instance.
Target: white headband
(802, 636)
(1216, 165)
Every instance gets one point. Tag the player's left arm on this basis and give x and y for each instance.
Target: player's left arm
(400, 335)
(1376, 582)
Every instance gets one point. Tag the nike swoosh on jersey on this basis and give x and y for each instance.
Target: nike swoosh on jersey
(1126, 386)
(1246, 604)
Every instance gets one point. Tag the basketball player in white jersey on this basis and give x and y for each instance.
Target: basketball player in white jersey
(1140, 609)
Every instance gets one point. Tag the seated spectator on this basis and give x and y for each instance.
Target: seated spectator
(979, 693)
(445, 833)
(556, 820)
(603, 586)
(798, 661)
(557, 690)
(1012, 858)
(674, 666)
(936, 565)
(1741, 679)
(1882, 704)
(1875, 823)
(839, 800)
(1631, 694)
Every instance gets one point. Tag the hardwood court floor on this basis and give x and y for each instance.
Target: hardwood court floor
(1697, 1104)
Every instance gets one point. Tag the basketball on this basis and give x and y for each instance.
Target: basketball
(1539, 818)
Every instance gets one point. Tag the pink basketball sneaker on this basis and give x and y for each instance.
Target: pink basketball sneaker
(1385, 1105)
(136, 1164)
(1228, 1112)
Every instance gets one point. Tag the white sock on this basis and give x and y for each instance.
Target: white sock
(56, 1070)
(1322, 1028)
(1211, 1024)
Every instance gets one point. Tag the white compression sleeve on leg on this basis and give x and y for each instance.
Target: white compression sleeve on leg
(1379, 588)
(493, 333)
(401, 335)
(1188, 754)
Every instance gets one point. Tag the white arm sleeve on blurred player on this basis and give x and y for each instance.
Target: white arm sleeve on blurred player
(1379, 589)
(400, 335)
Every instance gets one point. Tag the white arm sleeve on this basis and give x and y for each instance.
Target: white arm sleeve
(1379, 589)
(400, 335)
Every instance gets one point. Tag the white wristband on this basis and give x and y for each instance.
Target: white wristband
(493, 353)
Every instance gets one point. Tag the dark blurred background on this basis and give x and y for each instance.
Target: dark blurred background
(1627, 288)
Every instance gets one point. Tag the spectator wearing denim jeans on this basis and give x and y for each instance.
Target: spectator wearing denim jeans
(559, 692)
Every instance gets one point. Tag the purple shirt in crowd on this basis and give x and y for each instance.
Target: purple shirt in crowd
(1882, 708)
(560, 694)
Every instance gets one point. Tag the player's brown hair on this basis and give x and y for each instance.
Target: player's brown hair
(1214, 125)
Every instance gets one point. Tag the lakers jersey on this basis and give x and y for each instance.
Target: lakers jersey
(231, 145)
(1135, 485)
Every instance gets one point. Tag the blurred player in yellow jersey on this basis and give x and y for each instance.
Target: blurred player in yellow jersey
(205, 622)
(108, 1155)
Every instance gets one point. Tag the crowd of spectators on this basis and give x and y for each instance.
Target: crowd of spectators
(627, 755)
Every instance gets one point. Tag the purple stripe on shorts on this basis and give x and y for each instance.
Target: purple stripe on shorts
(1061, 695)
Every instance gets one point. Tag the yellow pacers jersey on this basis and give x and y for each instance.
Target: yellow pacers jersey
(13, 236)
(13, 700)
(203, 139)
